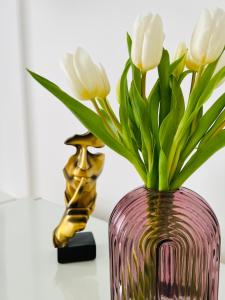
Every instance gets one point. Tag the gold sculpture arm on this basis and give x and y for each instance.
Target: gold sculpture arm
(81, 173)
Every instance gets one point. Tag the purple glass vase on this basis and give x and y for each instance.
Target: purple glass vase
(164, 245)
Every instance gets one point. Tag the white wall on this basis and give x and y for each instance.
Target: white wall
(14, 156)
(50, 29)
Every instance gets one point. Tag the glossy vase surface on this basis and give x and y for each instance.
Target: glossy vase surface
(164, 245)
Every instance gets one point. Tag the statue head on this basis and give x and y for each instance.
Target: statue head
(84, 164)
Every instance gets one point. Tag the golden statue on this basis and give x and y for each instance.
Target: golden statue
(81, 173)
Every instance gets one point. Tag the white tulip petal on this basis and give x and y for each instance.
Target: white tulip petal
(86, 70)
(191, 64)
(136, 43)
(78, 89)
(217, 13)
(153, 44)
(201, 36)
(100, 92)
(100, 86)
(104, 86)
(217, 39)
(139, 28)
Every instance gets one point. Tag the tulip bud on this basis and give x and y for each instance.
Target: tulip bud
(87, 79)
(180, 52)
(208, 38)
(147, 44)
(191, 64)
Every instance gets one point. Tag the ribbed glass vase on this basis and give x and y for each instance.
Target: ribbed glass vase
(164, 245)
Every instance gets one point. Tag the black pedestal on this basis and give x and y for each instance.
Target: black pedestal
(82, 247)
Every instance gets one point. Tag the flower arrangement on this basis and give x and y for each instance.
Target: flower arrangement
(165, 137)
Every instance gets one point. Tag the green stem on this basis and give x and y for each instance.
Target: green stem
(98, 110)
(175, 166)
(199, 74)
(199, 115)
(112, 115)
(192, 81)
(148, 181)
(143, 85)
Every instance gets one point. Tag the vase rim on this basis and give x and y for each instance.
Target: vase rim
(158, 191)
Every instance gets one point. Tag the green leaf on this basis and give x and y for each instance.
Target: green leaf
(86, 116)
(108, 120)
(200, 157)
(210, 87)
(206, 93)
(192, 108)
(144, 152)
(205, 123)
(153, 102)
(183, 75)
(124, 100)
(140, 111)
(218, 125)
(136, 74)
(139, 106)
(200, 86)
(196, 120)
(135, 131)
(153, 111)
(174, 64)
(170, 123)
(129, 43)
(125, 119)
(164, 73)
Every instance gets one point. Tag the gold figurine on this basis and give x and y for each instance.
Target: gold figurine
(81, 173)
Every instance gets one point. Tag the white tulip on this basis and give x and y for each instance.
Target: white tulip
(87, 79)
(147, 44)
(208, 38)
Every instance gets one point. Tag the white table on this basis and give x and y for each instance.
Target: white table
(4, 198)
(28, 265)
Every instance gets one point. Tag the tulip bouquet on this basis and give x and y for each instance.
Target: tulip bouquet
(165, 137)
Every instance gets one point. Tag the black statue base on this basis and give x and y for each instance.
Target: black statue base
(82, 247)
